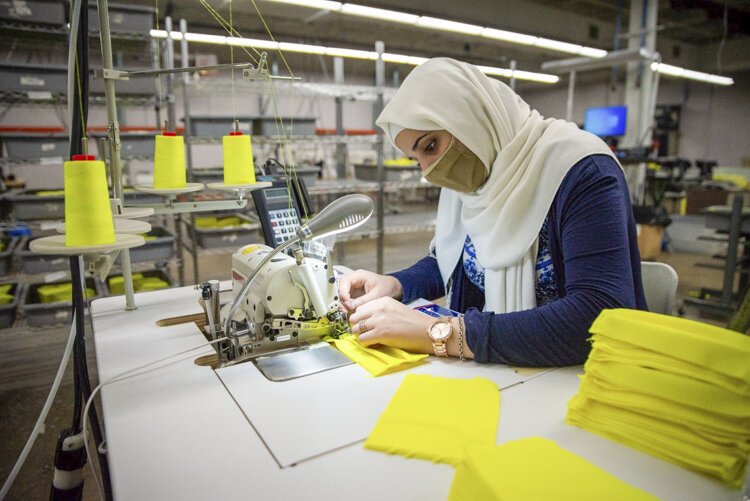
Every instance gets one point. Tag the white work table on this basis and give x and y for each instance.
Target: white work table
(178, 432)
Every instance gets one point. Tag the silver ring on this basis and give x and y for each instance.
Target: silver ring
(362, 327)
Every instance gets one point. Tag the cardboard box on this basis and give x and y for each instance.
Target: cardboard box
(649, 241)
(699, 198)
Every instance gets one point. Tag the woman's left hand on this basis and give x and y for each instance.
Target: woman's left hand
(389, 322)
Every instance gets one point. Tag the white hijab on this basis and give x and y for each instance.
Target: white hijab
(527, 157)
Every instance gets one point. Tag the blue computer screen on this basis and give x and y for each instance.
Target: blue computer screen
(608, 121)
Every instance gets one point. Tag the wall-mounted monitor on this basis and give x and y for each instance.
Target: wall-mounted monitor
(606, 121)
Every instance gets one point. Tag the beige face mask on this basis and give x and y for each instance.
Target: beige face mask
(457, 169)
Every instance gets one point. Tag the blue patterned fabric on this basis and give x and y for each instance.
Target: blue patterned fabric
(546, 282)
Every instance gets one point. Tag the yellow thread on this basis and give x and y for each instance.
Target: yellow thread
(169, 162)
(231, 60)
(158, 60)
(238, 160)
(88, 217)
(224, 24)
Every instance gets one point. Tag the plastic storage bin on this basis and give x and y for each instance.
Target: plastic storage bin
(6, 253)
(34, 263)
(298, 126)
(53, 146)
(369, 172)
(31, 11)
(30, 204)
(210, 236)
(124, 19)
(217, 126)
(40, 314)
(18, 77)
(8, 310)
(143, 281)
(159, 247)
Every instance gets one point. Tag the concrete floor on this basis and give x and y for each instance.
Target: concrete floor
(29, 359)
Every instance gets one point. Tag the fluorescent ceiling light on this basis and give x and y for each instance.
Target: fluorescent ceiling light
(313, 4)
(342, 52)
(445, 25)
(676, 71)
(509, 36)
(383, 14)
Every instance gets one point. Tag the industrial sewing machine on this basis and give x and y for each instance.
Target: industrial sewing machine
(284, 305)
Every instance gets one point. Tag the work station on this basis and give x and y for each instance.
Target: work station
(287, 249)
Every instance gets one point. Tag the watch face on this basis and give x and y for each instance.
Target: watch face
(440, 331)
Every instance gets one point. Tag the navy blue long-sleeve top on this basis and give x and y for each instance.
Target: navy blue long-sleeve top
(594, 249)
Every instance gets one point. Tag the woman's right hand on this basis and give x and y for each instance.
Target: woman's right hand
(362, 286)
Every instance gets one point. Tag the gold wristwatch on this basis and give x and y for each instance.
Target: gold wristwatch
(439, 332)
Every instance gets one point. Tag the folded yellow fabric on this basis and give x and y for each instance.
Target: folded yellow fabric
(535, 468)
(720, 350)
(377, 361)
(667, 441)
(436, 418)
(611, 350)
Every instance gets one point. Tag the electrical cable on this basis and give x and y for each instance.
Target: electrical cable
(131, 373)
(43, 415)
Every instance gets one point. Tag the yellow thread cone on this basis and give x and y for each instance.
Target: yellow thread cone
(238, 159)
(169, 162)
(88, 216)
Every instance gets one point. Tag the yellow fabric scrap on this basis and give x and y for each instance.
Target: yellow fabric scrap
(377, 361)
(436, 418)
(54, 293)
(535, 468)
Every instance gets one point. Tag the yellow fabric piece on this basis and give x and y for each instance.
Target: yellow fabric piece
(169, 162)
(377, 361)
(54, 293)
(6, 298)
(713, 348)
(673, 388)
(50, 193)
(216, 222)
(535, 469)
(5, 289)
(436, 418)
(88, 216)
(239, 167)
(140, 284)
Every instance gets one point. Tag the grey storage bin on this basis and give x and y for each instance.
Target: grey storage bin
(369, 172)
(155, 273)
(27, 205)
(233, 236)
(6, 255)
(138, 86)
(133, 143)
(34, 263)
(157, 249)
(308, 174)
(217, 126)
(124, 19)
(31, 11)
(140, 198)
(36, 146)
(8, 311)
(208, 175)
(40, 314)
(19, 77)
(297, 126)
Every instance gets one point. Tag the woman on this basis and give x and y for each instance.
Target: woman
(534, 237)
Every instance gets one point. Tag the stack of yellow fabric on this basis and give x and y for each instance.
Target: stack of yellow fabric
(54, 293)
(674, 388)
(141, 283)
(6, 296)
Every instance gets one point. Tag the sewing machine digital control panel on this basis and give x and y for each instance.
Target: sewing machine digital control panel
(284, 224)
(278, 211)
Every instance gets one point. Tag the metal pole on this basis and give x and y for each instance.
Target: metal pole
(113, 129)
(188, 150)
(730, 267)
(338, 78)
(513, 74)
(169, 65)
(380, 83)
(571, 91)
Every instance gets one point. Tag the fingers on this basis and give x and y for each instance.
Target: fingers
(353, 281)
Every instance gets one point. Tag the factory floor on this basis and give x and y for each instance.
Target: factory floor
(29, 359)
